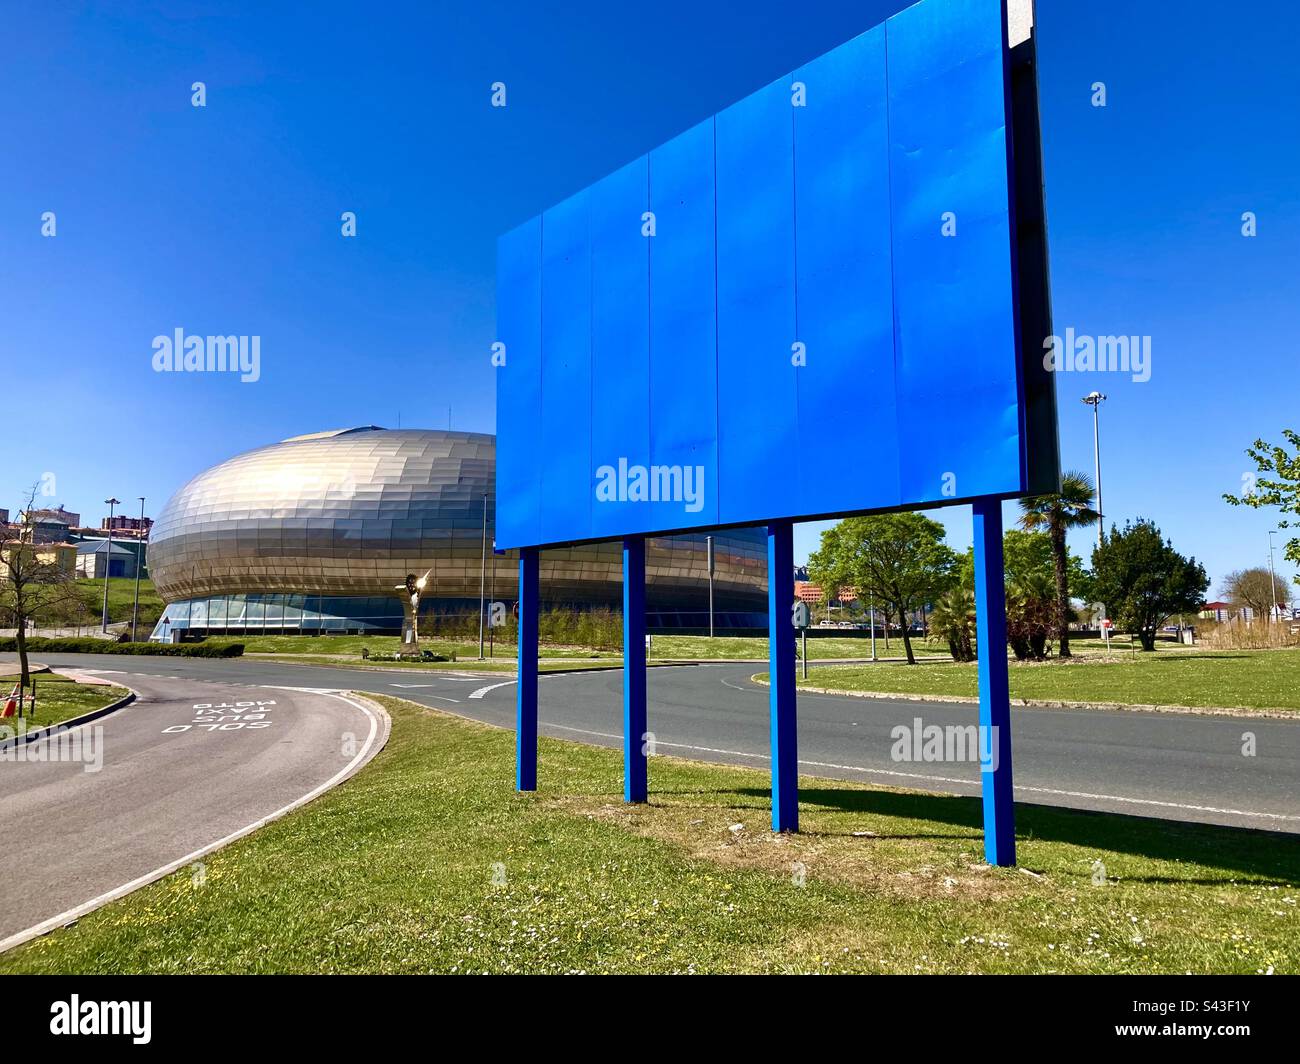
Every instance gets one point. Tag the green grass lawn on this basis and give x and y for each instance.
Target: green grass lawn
(121, 596)
(350, 647)
(59, 698)
(492, 665)
(1251, 679)
(429, 861)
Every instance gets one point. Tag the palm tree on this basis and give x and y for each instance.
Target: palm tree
(952, 620)
(1056, 514)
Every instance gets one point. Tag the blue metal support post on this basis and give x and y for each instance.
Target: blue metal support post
(526, 688)
(781, 664)
(634, 669)
(995, 698)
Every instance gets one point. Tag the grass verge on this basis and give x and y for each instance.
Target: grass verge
(1261, 679)
(121, 602)
(429, 861)
(348, 648)
(59, 698)
(491, 665)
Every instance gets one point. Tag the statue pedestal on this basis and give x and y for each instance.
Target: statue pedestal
(409, 648)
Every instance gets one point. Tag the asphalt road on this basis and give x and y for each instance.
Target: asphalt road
(190, 764)
(1173, 766)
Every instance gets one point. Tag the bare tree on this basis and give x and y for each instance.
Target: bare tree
(30, 580)
(1256, 589)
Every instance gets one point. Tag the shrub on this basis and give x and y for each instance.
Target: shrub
(37, 645)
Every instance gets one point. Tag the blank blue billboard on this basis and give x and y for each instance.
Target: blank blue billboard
(805, 306)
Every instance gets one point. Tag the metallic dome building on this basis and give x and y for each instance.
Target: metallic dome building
(315, 533)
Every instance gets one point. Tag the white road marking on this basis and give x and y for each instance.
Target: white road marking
(584, 731)
(306, 690)
(54, 922)
(952, 779)
(442, 698)
(409, 685)
(491, 687)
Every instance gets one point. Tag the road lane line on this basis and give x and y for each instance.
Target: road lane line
(491, 687)
(55, 922)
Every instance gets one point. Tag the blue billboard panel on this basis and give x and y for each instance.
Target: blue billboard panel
(684, 323)
(844, 267)
(955, 336)
(519, 273)
(620, 339)
(836, 249)
(757, 434)
(561, 440)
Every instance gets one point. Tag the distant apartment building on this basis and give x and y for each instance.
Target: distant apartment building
(121, 523)
(811, 593)
(51, 526)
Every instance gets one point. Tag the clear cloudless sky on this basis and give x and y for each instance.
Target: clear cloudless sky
(226, 219)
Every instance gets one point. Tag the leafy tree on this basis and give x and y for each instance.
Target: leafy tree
(1031, 589)
(1056, 515)
(1144, 581)
(1277, 484)
(899, 560)
(1026, 555)
(1255, 589)
(30, 582)
(952, 620)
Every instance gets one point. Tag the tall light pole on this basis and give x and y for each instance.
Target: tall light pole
(139, 558)
(493, 599)
(1272, 579)
(108, 561)
(1094, 400)
(709, 540)
(482, 580)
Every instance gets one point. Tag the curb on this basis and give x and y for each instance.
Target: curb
(46, 730)
(1035, 703)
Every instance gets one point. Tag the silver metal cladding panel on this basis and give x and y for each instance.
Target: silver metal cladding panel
(352, 512)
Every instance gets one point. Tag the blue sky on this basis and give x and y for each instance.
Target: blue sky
(225, 219)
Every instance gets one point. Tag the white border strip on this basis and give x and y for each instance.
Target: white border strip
(379, 721)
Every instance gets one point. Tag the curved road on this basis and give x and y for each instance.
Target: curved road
(1173, 766)
(190, 765)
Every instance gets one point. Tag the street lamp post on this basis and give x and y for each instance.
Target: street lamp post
(1094, 400)
(108, 561)
(493, 599)
(139, 558)
(710, 559)
(482, 581)
(1272, 580)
